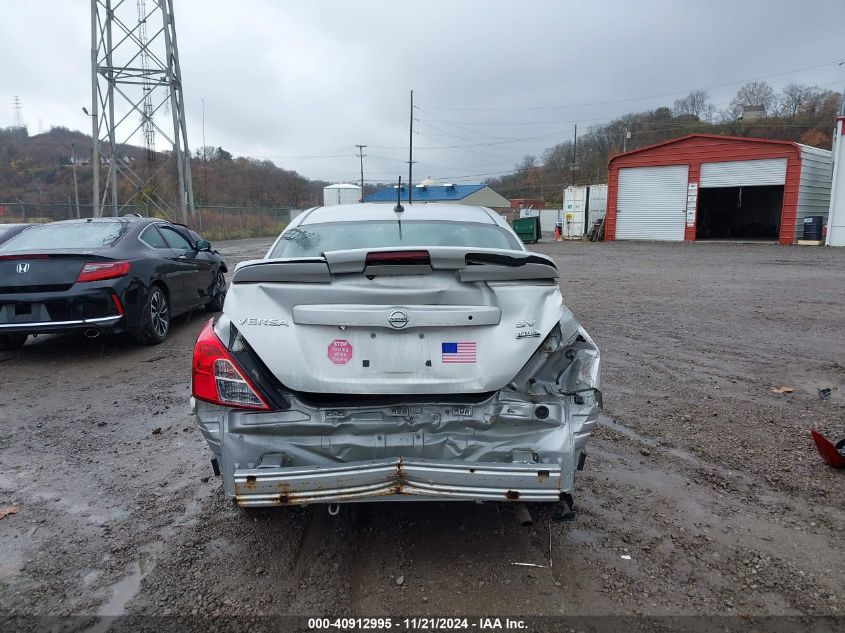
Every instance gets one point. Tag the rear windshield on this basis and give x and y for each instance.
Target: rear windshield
(5, 229)
(82, 235)
(311, 240)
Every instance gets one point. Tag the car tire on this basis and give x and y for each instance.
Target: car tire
(13, 341)
(215, 304)
(156, 318)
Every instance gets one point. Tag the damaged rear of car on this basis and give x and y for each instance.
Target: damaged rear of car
(408, 355)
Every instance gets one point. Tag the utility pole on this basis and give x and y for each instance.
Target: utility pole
(204, 160)
(574, 166)
(135, 80)
(411, 151)
(75, 183)
(361, 158)
(625, 138)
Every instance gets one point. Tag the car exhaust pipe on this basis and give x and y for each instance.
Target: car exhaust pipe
(92, 333)
(523, 515)
(334, 509)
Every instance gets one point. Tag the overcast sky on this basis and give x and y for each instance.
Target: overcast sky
(300, 83)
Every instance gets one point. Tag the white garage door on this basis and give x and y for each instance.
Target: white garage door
(651, 203)
(744, 173)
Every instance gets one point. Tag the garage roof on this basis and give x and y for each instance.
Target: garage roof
(717, 137)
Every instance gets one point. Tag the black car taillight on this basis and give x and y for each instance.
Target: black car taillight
(98, 271)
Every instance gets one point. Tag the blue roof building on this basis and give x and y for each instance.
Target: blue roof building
(476, 195)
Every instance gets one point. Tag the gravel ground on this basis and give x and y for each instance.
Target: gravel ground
(702, 494)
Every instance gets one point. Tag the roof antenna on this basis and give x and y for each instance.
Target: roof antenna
(399, 208)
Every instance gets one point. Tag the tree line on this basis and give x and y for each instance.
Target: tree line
(39, 170)
(801, 113)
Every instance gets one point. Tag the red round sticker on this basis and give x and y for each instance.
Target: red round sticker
(339, 352)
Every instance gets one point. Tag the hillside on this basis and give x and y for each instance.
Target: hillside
(37, 171)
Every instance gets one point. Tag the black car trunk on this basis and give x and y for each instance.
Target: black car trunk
(29, 283)
(41, 273)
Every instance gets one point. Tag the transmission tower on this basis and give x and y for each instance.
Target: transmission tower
(136, 83)
(18, 120)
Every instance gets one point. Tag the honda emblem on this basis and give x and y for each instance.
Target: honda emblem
(22, 268)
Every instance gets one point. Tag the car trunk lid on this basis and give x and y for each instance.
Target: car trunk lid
(452, 322)
(41, 272)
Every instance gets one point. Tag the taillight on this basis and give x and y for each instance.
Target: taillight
(398, 257)
(97, 271)
(215, 378)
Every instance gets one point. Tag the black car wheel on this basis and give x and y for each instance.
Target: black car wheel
(156, 318)
(12, 341)
(216, 302)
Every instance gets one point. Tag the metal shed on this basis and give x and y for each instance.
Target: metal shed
(703, 186)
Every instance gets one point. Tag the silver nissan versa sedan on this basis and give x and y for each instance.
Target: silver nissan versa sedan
(381, 353)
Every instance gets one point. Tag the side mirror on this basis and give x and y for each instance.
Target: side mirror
(203, 245)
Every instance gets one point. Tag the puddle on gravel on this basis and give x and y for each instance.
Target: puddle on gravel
(129, 586)
(125, 589)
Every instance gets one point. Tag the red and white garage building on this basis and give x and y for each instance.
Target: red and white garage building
(704, 186)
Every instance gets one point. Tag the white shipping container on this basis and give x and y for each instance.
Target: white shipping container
(341, 193)
(596, 205)
(574, 210)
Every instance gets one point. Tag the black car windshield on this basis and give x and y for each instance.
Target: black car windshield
(311, 240)
(62, 236)
(5, 229)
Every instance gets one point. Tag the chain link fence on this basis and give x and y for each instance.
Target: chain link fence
(214, 223)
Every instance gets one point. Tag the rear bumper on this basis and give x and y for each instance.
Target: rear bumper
(42, 327)
(389, 478)
(83, 306)
(495, 450)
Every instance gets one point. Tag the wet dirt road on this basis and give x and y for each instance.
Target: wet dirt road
(702, 492)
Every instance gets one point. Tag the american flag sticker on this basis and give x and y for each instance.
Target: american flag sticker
(458, 352)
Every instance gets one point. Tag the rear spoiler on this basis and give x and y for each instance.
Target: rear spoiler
(303, 271)
(472, 265)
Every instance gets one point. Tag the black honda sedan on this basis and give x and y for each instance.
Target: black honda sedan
(124, 274)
